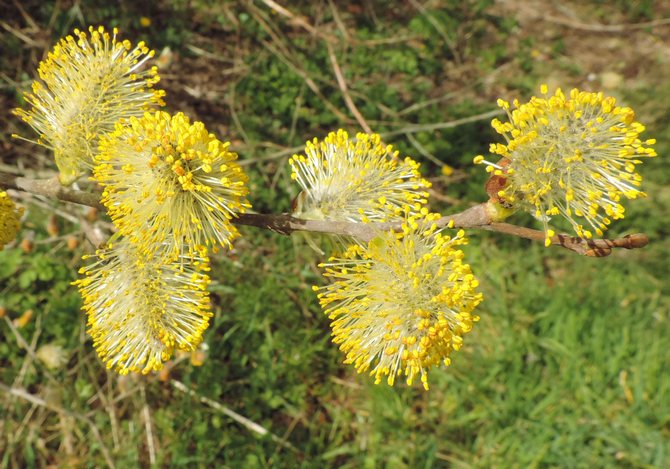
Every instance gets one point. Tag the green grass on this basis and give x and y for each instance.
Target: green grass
(566, 368)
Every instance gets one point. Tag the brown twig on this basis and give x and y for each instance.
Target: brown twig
(286, 224)
(477, 217)
(585, 247)
(50, 188)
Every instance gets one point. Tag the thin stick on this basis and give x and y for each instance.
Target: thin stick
(29, 348)
(425, 153)
(23, 394)
(283, 53)
(338, 21)
(300, 21)
(308, 81)
(413, 128)
(245, 422)
(20, 35)
(147, 426)
(409, 129)
(439, 28)
(605, 28)
(345, 93)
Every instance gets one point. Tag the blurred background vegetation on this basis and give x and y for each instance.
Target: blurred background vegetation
(569, 364)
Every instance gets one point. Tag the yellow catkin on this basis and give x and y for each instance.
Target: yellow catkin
(140, 309)
(572, 156)
(168, 181)
(358, 179)
(10, 219)
(400, 304)
(87, 83)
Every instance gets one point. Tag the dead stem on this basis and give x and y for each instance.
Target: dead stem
(38, 401)
(146, 415)
(245, 422)
(345, 93)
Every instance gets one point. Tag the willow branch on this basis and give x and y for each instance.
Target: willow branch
(477, 217)
(585, 247)
(286, 224)
(50, 188)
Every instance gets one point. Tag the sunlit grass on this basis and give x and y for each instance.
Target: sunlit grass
(567, 367)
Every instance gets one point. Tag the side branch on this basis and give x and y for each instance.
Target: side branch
(585, 247)
(50, 188)
(477, 217)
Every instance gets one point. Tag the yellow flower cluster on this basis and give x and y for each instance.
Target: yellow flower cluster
(401, 303)
(10, 217)
(170, 187)
(356, 180)
(573, 156)
(167, 180)
(87, 83)
(140, 309)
